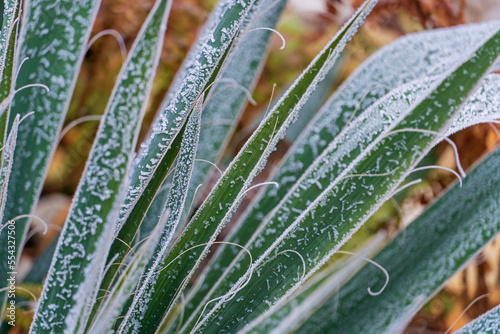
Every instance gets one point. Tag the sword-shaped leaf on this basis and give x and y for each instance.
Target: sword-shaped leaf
(411, 58)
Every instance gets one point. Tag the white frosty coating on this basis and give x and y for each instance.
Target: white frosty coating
(406, 59)
(488, 323)
(262, 142)
(312, 294)
(175, 203)
(318, 231)
(94, 207)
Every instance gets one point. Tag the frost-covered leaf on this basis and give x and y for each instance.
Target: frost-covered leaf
(53, 36)
(420, 259)
(233, 185)
(349, 198)
(175, 203)
(410, 58)
(162, 146)
(487, 323)
(482, 107)
(90, 223)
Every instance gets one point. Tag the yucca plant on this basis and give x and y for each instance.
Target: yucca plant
(125, 259)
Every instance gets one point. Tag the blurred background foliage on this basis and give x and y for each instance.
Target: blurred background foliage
(306, 26)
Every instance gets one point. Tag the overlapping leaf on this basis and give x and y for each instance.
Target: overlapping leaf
(351, 196)
(228, 192)
(411, 58)
(419, 260)
(161, 148)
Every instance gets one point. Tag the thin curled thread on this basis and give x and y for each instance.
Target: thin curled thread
(37, 229)
(20, 121)
(409, 184)
(270, 100)
(494, 128)
(26, 216)
(452, 144)
(113, 33)
(369, 289)
(211, 163)
(104, 271)
(21, 288)
(181, 316)
(122, 263)
(393, 229)
(258, 185)
(194, 197)
(104, 306)
(221, 80)
(486, 295)
(301, 258)
(439, 167)
(230, 295)
(233, 83)
(283, 42)
(347, 176)
(77, 122)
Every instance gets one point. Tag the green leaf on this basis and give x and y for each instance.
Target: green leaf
(421, 259)
(93, 213)
(407, 59)
(53, 37)
(350, 197)
(216, 210)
